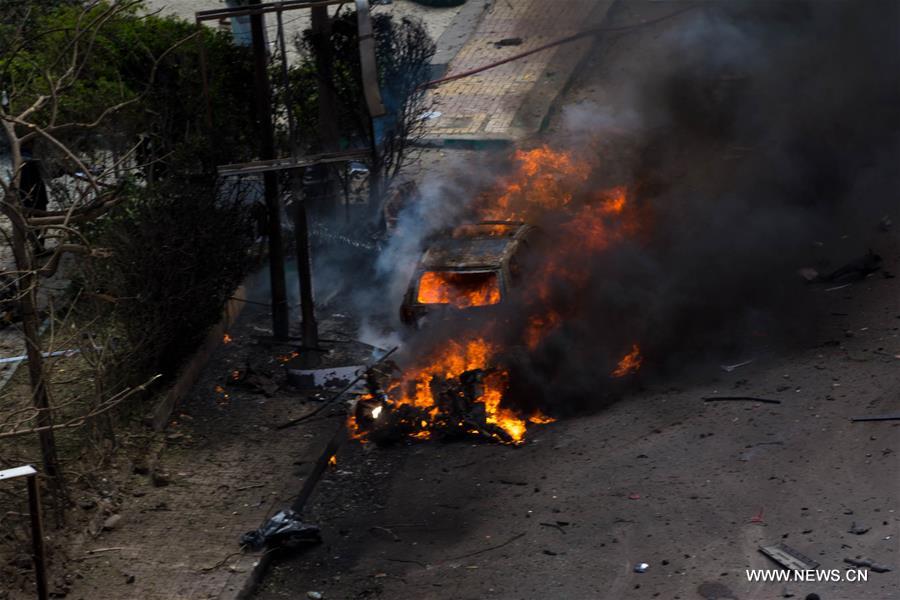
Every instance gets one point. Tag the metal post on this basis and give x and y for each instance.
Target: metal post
(37, 528)
(280, 322)
(37, 536)
(309, 327)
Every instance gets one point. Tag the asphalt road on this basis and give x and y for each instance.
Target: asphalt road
(691, 488)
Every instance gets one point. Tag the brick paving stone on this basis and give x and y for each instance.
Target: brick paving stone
(485, 105)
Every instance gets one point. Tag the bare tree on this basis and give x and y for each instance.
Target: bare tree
(34, 114)
(403, 51)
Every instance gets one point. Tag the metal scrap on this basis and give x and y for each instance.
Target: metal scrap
(788, 557)
(867, 562)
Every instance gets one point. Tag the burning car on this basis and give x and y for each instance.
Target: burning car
(472, 267)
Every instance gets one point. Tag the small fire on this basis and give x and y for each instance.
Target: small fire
(539, 326)
(630, 363)
(284, 358)
(227, 339)
(485, 230)
(332, 460)
(222, 397)
(460, 289)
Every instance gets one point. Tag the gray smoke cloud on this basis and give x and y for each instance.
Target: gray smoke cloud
(755, 136)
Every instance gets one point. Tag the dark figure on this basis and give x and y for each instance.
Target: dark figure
(34, 197)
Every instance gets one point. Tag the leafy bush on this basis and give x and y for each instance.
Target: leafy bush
(178, 252)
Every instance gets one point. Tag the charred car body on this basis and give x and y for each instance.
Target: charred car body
(472, 267)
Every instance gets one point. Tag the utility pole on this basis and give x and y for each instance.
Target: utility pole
(321, 30)
(309, 328)
(280, 319)
(328, 134)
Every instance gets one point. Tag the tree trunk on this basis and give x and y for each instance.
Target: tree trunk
(30, 326)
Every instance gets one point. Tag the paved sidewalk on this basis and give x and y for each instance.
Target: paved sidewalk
(511, 101)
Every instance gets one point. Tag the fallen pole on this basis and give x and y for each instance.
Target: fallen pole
(743, 398)
(334, 444)
(890, 417)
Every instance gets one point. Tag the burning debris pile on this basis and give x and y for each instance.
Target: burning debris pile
(457, 395)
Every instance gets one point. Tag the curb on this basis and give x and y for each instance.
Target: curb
(191, 372)
(456, 35)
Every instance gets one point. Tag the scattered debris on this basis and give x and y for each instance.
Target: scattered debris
(867, 562)
(788, 557)
(111, 523)
(557, 526)
(366, 373)
(730, 368)
(461, 412)
(854, 270)
(384, 533)
(641, 567)
(488, 549)
(758, 517)
(859, 268)
(64, 353)
(857, 529)
(515, 41)
(634, 496)
(808, 273)
(887, 417)
(330, 377)
(315, 595)
(254, 381)
(837, 287)
(713, 590)
(285, 529)
(744, 398)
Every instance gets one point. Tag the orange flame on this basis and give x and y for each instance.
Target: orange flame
(332, 460)
(459, 289)
(227, 339)
(542, 181)
(284, 358)
(629, 363)
(452, 361)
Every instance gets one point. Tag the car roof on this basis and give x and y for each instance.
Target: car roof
(477, 245)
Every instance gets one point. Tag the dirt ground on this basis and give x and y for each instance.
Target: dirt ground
(692, 488)
(165, 519)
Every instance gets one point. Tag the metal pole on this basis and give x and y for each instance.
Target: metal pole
(309, 327)
(280, 322)
(37, 528)
(37, 536)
